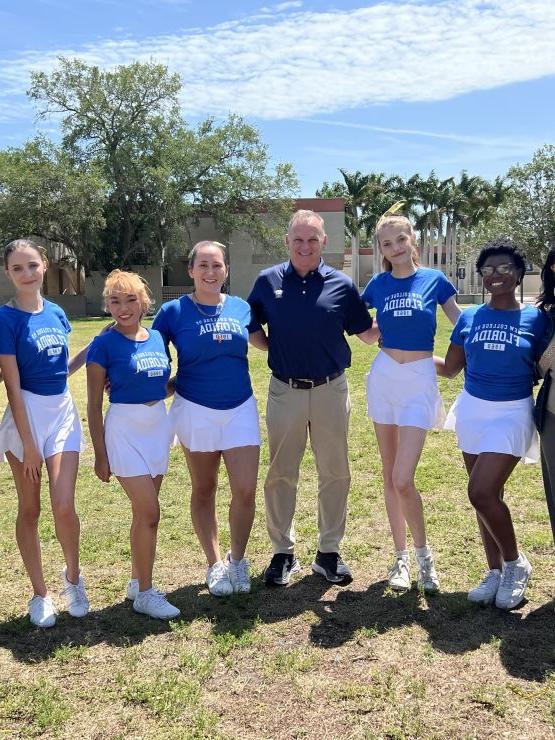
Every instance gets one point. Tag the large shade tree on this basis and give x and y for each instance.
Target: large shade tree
(122, 130)
(527, 213)
(44, 192)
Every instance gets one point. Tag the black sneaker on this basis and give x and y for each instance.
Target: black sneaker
(281, 567)
(330, 565)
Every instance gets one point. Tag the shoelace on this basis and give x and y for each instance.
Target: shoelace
(241, 570)
(76, 591)
(158, 596)
(43, 602)
(426, 566)
(488, 578)
(218, 568)
(397, 566)
(509, 576)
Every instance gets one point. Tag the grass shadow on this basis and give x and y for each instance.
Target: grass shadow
(116, 625)
(454, 625)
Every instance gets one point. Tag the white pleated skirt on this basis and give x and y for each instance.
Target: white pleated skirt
(54, 422)
(494, 426)
(202, 429)
(404, 394)
(137, 438)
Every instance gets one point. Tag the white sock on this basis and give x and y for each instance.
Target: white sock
(422, 552)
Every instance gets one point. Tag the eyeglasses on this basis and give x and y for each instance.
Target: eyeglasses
(503, 269)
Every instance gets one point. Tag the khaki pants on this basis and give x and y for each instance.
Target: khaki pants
(291, 415)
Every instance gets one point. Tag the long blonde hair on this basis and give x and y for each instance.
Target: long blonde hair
(396, 219)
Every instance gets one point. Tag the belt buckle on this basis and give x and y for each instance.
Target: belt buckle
(307, 380)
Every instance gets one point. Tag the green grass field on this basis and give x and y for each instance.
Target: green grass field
(308, 661)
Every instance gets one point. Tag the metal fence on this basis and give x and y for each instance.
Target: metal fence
(169, 292)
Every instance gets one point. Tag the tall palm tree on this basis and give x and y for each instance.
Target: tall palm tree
(357, 195)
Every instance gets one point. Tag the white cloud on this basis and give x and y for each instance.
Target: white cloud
(490, 142)
(307, 63)
(280, 7)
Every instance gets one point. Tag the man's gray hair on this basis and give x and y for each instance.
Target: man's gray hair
(303, 217)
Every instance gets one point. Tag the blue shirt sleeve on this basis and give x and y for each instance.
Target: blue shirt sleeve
(7, 338)
(357, 318)
(543, 333)
(97, 353)
(457, 335)
(63, 319)
(162, 324)
(445, 289)
(368, 294)
(258, 315)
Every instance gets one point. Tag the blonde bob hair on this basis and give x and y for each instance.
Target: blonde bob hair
(395, 219)
(128, 283)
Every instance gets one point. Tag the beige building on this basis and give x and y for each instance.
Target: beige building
(64, 283)
(246, 260)
(80, 296)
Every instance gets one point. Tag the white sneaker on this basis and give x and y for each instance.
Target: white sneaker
(217, 579)
(398, 577)
(239, 575)
(485, 591)
(42, 612)
(154, 604)
(514, 579)
(427, 576)
(75, 596)
(132, 589)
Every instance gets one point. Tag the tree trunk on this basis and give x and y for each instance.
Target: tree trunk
(355, 243)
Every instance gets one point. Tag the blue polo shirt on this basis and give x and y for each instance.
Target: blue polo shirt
(307, 319)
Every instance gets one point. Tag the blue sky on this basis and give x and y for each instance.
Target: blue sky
(395, 86)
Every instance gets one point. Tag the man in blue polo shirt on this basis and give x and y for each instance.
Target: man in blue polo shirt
(308, 307)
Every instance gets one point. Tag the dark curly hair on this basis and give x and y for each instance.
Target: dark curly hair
(502, 245)
(546, 298)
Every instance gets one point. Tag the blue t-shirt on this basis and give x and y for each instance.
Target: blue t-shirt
(406, 307)
(39, 342)
(212, 366)
(307, 319)
(500, 348)
(138, 371)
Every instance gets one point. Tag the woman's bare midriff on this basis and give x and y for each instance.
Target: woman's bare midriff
(402, 356)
